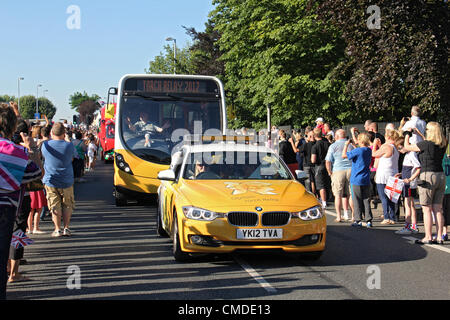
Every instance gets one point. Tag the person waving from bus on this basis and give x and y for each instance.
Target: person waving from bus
(144, 125)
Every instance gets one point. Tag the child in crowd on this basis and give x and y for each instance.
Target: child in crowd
(360, 178)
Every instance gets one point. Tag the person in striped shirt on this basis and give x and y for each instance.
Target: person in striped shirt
(15, 171)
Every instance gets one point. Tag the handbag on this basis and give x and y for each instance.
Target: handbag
(35, 185)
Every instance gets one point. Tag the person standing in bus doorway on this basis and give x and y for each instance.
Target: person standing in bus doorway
(58, 178)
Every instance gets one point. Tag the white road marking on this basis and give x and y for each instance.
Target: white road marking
(252, 272)
(412, 239)
(434, 246)
(330, 213)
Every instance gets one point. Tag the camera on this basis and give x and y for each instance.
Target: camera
(407, 133)
(16, 138)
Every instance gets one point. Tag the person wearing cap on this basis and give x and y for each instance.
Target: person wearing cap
(59, 178)
(320, 124)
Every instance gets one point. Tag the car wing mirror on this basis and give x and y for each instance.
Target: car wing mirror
(168, 175)
(301, 174)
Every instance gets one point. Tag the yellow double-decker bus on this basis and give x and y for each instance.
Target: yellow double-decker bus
(154, 113)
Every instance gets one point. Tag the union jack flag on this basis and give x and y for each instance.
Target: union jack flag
(20, 239)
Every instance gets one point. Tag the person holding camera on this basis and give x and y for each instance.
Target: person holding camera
(431, 184)
(373, 164)
(409, 173)
(17, 170)
(360, 158)
(388, 156)
(411, 168)
(339, 170)
(414, 122)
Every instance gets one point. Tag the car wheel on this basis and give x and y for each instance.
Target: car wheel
(159, 226)
(178, 254)
(120, 199)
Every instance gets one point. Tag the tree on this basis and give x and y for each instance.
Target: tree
(76, 99)
(278, 53)
(403, 63)
(6, 98)
(164, 62)
(205, 51)
(87, 109)
(28, 107)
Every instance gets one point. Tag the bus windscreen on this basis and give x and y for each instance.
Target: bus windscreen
(151, 109)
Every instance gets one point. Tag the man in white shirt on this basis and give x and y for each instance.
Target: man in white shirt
(415, 122)
(410, 165)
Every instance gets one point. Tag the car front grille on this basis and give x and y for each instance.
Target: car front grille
(274, 219)
(243, 219)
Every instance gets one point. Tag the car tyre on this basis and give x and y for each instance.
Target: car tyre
(178, 254)
(159, 226)
(121, 200)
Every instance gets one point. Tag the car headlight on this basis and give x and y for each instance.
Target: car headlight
(309, 214)
(201, 214)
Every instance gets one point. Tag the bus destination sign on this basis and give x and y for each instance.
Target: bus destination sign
(180, 86)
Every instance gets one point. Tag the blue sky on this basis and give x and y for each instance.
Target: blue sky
(115, 38)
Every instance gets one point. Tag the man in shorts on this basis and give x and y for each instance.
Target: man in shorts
(59, 179)
(339, 169)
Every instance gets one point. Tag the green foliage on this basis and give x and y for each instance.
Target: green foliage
(6, 98)
(277, 53)
(28, 107)
(76, 99)
(205, 51)
(164, 62)
(404, 63)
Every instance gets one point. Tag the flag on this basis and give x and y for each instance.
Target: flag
(20, 239)
(110, 111)
(394, 189)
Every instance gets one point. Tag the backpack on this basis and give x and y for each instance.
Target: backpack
(80, 150)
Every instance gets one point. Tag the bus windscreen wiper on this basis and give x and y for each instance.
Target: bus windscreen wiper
(171, 96)
(145, 95)
(195, 98)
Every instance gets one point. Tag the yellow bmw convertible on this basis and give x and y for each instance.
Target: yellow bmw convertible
(224, 197)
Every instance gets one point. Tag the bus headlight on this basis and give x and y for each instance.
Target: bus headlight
(309, 214)
(121, 164)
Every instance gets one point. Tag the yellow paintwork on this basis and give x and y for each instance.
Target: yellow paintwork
(144, 177)
(238, 195)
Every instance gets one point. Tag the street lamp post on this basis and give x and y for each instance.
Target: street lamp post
(18, 90)
(174, 53)
(37, 98)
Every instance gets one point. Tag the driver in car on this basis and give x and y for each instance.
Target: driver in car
(145, 125)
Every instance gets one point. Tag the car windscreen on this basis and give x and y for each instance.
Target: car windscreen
(234, 166)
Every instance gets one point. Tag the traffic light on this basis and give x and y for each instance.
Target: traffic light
(75, 119)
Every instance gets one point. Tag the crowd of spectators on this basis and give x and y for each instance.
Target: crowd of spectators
(355, 168)
(38, 168)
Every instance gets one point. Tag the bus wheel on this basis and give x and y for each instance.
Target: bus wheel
(178, 254)
(120, 198)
